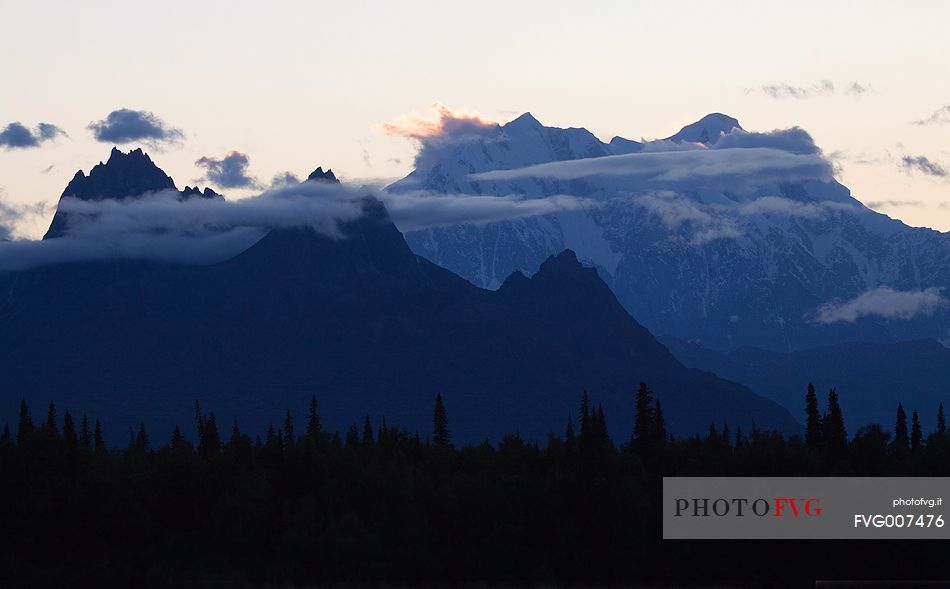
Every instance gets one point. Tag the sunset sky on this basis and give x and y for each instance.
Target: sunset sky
(301, 84)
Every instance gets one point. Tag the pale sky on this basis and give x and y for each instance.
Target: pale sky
(298, 84)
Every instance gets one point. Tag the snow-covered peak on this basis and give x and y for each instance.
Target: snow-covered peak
(707, 129)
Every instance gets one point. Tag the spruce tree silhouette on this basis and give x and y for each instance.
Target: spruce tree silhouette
(901, 439)
(353, 437)
(25, 425)
(178, 440)
(368, 436)
(142, 443)
(85, 435)
(584, 415)
(210, 444)
(813, 424)
(916, 432)
(289, 437)
(941, 423)
(314, 428)
(835, 434)
(643, 423)
(51, 426)
(98, 442)
(441, 436)
(69, 431)
(569, 432)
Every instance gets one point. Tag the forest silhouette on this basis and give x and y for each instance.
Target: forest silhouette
(378, 505)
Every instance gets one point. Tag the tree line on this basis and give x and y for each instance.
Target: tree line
(379, 505)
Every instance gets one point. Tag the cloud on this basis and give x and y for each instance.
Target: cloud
(229, 171)
(127, 126)
(674, 166)
(923, 164)
(12, 214)
(48, 169)
(161, 227)
(857, 90)
(704, 222)
(822, 88)
(446, 122)
(413, 211)
(939, 116)
(883, 302)
(794, 140)
(17, 136)
(776, 205)
(893, 204)
(284, 179)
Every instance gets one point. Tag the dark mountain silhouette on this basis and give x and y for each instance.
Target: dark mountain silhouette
(362, 322)
(124, 175)
(319, 175)
(870, 378)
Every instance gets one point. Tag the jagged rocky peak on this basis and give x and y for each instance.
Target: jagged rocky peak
(319, 175)
(707, 129)
(123, 175)
(196, 191)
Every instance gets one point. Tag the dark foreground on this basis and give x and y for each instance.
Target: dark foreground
(380, 506)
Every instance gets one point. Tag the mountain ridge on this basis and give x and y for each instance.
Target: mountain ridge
(357, 319)
(740, 242)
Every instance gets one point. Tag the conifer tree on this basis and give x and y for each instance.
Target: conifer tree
(584, 416)
(199, 423)
(289, 437)
(235, 434)
(599, 425)
(352, 437)
(835, 434)
(69, 430)
(643, 423)
(901, 439)
(25, 425)
(211, 440)
(314, 427)
(813, 424)
(141, 439)
(6, 438)
(442, 437)
(178, 441)
(51, 426)
(270, 439)
(85, 436)
(98, 442)
(916, 432)
(569, 432)
(941, 422)
(368, 436)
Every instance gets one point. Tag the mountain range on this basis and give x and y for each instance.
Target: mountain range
(715, 235)
(355, 318)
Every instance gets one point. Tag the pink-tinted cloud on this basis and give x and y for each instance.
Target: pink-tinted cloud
(444, 122)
